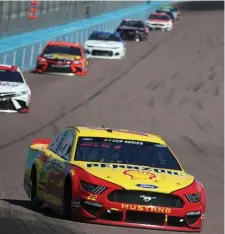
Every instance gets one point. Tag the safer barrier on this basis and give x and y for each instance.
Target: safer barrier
(22, 50)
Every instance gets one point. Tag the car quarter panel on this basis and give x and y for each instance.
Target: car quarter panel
(35, 153)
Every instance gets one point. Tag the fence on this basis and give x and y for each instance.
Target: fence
(14, 14)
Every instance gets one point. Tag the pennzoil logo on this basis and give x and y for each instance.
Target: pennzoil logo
(152, 209)
(131, 167)
(137, 175)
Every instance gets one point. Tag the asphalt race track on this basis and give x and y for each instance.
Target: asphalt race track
(171, 85)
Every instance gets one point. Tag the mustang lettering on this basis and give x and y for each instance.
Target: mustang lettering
(152, 209)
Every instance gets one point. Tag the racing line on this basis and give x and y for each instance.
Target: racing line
(171, 85)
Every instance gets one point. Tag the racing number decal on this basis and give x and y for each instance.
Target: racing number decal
(92, 197)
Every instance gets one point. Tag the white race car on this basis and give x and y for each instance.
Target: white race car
(105, 45)
(160, 21)
(15, 93)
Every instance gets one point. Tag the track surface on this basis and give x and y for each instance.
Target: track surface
(171, 85)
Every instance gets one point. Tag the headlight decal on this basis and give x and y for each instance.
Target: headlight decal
(193, 198)
(93, 188)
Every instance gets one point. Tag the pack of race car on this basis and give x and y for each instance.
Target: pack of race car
(72, 58)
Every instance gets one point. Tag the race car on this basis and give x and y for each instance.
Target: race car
(15, 94)
(114, 177)
(105, 45)
(131, 29)
(62, 58)
(172, 9)
(159, 21)
(170, 14)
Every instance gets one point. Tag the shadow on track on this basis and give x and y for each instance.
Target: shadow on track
(201, 6)
(27, 205)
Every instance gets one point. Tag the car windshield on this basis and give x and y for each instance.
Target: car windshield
(130, 23)
(159, 17)
(103, 37)
(10, 76)
(140, 153)
(62, 50)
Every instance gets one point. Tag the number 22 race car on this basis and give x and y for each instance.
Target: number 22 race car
(114, 177)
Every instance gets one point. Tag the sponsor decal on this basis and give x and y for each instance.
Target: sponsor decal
(146, 198)
(62, 66)
(141, 168)
(147, 186)
(8, 84)
(52, 186)
(137, 175)
(143, 208)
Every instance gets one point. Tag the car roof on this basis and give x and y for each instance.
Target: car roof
(62, 43)
(9, 67)
(166, 7)
(103, 32)
(160, 13)
(136, 20)
(118, 134)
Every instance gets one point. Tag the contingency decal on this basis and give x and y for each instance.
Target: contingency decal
(142, 168)
(137, 175)
(147, 186)
(124, 141)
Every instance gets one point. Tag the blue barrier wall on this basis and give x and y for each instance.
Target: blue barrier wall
(22, 50)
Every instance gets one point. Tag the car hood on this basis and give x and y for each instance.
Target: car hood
(124, 28)
(67, 57)
(6, 87)
(159, 21)
(139, 178)
(103, 44)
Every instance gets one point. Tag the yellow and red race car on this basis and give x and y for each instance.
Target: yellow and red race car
(62, 58)
(114, 177)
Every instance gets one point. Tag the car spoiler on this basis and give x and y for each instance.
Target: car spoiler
(41, 141)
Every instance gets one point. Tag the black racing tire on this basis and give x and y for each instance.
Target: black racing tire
(35, 203)
(67, 201)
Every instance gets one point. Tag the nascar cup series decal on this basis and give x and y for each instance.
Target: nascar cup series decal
(147, 186)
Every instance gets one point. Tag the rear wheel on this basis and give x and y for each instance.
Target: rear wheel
(35, 203)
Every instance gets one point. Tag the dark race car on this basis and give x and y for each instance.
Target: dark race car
(133, 30)
(63, 58)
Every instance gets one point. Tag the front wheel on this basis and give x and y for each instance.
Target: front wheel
(35, 203)
(67, 203)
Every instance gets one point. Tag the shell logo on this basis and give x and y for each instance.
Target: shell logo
(138, 175)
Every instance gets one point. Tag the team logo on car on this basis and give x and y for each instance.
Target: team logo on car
(139, 175)
(147, 186)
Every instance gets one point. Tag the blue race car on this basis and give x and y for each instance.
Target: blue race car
(171, 9)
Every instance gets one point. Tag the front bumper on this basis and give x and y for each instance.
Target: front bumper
(159, 26)
(103, 211)
(103, 53)
(15, 104)
(64, 69)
